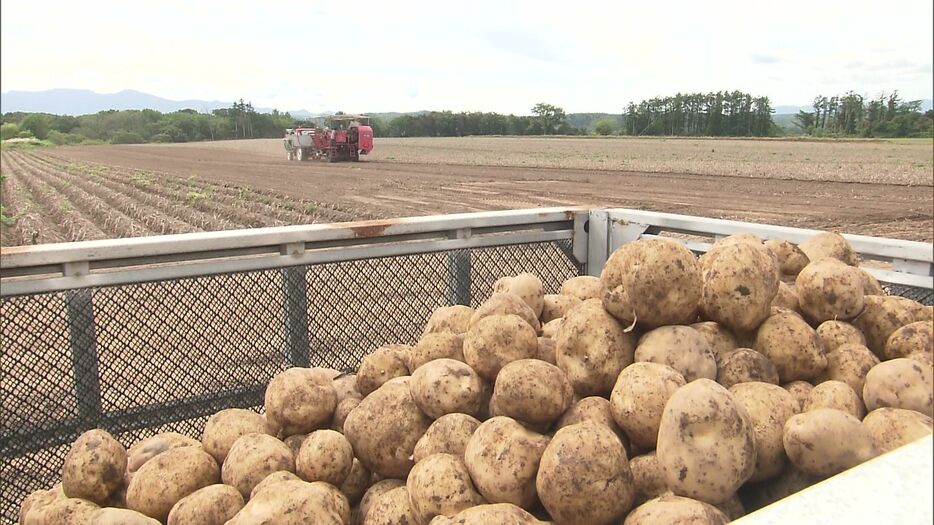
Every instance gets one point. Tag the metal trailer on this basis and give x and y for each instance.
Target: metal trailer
(153, 334)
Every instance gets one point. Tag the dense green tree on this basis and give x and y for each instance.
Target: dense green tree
(551, 118)
(39, 124)
(603, 127)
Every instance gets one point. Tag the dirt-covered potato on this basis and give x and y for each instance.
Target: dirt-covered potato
(592, 348)
(792, 346)
(799, 390)
(498, 513)
(739, 285)
(893, 427)
(496, 340)
(449, 319)
(440, 485)
(676, 509)
(654, 282)
(65, 511)
(446, 386)
(435, 346)
(145, 449)
(325, 455)
(744, 365)
(720, 339)
(372, 494)
(165, 479)
(33, 505)
(913, 338)
(850, 363)
(341, 412)
(94, 467)
(505, 304)
(390, 508)
(838, 395)
(448, 434)
(346, 387)
(596, 409)
(525, 285)
(299, 400)
(647, 477)
(252, 458)
(786, 297)
(384, 428)
(829, 290)
(900, 383)
(295, 443)
(835, 333)
(531, 391)
(706, 442)
(582, 287)
(550, 329)
(769, 407)
(227, 426)
(211, 505)
(356, 482)
(502, 457)
(112, 516)
(882, 315)
(556, 306)
(270, 480)
(791, 259)
(383, 364)
(826, 441)
(829, 244)
(295, 503)
(547, 350)
(680, 347)
(584, 476)
(639, 397)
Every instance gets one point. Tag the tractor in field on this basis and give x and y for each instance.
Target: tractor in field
(339, 137)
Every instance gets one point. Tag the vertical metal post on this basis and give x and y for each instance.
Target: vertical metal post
(82, 338)
(598, 229)
(459, 273)
(295, 305)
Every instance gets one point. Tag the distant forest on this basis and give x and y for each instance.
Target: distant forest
(719, 114)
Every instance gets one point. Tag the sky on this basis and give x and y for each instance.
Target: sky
(467, 56)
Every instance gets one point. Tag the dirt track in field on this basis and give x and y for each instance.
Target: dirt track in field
(381, 186)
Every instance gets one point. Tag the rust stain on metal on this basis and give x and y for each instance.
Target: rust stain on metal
(368, 229)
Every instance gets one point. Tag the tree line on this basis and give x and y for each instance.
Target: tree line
(733, 114)
(853, 115)
(546, 119)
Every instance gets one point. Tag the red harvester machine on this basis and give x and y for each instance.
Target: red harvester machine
(343, 137)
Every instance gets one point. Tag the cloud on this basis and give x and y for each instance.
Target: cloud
(529, 45)
(762, 58)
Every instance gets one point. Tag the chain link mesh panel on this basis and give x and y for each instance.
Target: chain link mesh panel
(164, 356)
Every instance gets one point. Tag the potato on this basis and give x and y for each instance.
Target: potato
(94, 467)
(739, 286)
(165, 479)
(547, 350)
(556, 306)
(744, 365)
(871, 285)
(272, 479)
(596, 409)
(446, 386)
(227, 426)
(791, 259)
(826, 441)
(592, 348)
(913, 338)
(654, 282)
(891, 428)
(829, 244)
(300, 400)
(295, 503)
(680, 347)
(449, 434)
(67, 511)
(112, 516)
(799, 390)
(584, 476)
(505, 304)
(719, 338)
(838, 395)
(384, 428)
(582, 287)
(792, 346)
(145, 449)
(829, 290)
(211, 505)
(706, 442)
(383, 364)
(356, 482)
(326, 455)
(341, 412)
(440, 485)
(786, 297)
(252, 458)
(494, 341)
(372, 494)
(531, 391)
(525, 285)
(639, 397)
(550, 329)
(647, 477)
(346, 387)
(391, 508)
(436, 346)
(923, 357)
(498, 513)
(502, 457)
(900, 383)
(882, 316)
(675, 509)
(835, 333)
(33, 505)
(850, 363)
(769, 407)
(449, 319)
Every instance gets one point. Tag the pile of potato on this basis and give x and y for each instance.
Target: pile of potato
(671, 389)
